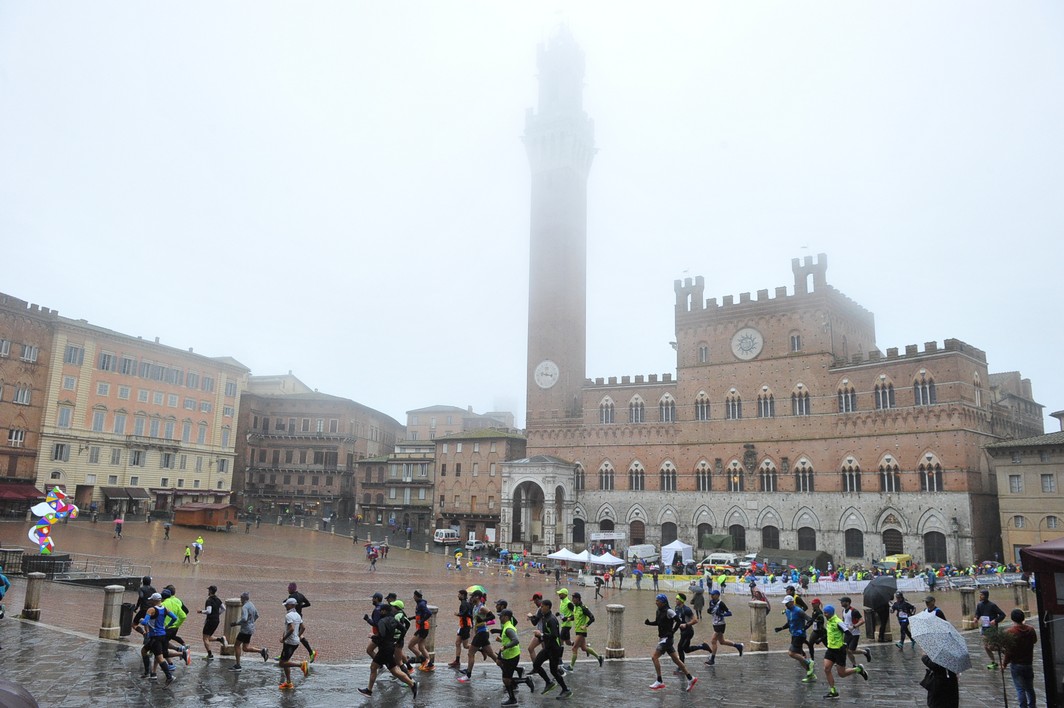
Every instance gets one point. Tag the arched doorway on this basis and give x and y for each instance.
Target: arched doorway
(637, 533)
(806, 539)
(606, 525)
(578, 531)
(703, 531)
(893, 543)
(934, 547)
(770, 537)
(668, 533)
(527, 513)
(738, 537)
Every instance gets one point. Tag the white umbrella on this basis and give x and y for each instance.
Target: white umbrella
(941, 641)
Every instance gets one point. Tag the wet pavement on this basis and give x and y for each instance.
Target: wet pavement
(65, 665)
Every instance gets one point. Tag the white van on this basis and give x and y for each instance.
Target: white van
(446, 537)
(642, 551)
(722, 558)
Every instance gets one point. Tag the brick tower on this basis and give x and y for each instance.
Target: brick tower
(559, 139)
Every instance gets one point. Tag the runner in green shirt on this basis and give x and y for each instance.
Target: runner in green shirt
(836, 653)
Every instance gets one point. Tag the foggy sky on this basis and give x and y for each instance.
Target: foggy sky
(340, 189)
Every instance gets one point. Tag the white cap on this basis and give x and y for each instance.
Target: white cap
(291, 601)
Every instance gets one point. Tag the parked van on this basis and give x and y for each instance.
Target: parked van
(446, 537)
(898, 561)
(722, 558)
(642, 551)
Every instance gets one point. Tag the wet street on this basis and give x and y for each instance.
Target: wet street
(66, 665)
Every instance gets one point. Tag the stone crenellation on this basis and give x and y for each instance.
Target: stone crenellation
(637, 380)
(913, 351)
(31, 308)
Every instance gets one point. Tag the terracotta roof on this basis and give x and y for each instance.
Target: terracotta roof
(1037, 441)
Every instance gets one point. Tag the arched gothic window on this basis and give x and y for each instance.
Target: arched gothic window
(667, 478)
(636, 478)
(702, 406)
(924, 390)
(800, 402)
(703, 477)
(847, 398)
(889, 477)
(606, 477)
(766, 404)
(578, 478)
(803, 476)
(733, 407)
(851, 476)
(667, 409)
(735, 477)
(884, 394)
(931, 478)
(767, 476)
(606, 412)
(636, 411)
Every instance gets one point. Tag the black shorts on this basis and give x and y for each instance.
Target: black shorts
(209, 626)
(719, 629)
(665, 646)
(463, 633)
(798, 644)
(851, 640)
(287, 650)
(243, 638)
(385, 656)
(157, 645)
(509, 666)
(567, 634)
(481, 640)
(836, 655)
(421, 633)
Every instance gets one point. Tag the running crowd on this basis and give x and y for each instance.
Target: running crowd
(160, 615)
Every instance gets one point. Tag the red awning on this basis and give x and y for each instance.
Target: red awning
(26, 492)
(1046, 557)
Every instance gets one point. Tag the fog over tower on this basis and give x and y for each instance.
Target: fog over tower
(559, 139)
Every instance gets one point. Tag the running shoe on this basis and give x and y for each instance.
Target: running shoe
(236, 667)
(531, 686)
(657, 686)
(169, 680)
(867, 655)
(912, 644)
(462, 678)
(863, 671)
(565, 695)
(900, 645)
(153, 677)
(710, 661)
(511, 701)
(208, 657)
(454, 664)
(739, 646)
(832, 695)
(365, 692)
(413, 689)
(265, 654)
(145, 676)
(186, 656)
(549, 687)
(992, 666)
(809, 678)
(691, 683)
(285, 685)
(427, 668)
(305, 668)
(601, 660)
(313, 655)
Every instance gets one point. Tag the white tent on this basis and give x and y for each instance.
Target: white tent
(564, 554)
(607, 558)
(669, 552)
(582, 557)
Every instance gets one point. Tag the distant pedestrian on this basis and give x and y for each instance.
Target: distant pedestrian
(557, 576)
(654, 577)
(166, 531)
(188, 556)
(247, 527)
(248, 617)
(698, 601)
(118, 529)
(258, 520)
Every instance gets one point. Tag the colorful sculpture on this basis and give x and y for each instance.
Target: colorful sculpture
(53, 508)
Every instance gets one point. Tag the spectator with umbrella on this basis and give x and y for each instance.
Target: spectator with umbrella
(946, 656)
(878, 595)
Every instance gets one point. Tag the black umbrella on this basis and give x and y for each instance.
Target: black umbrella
(880, 591)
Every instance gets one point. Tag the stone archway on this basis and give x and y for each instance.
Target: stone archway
(527, 525)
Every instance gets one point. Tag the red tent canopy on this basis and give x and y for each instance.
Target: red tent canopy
(1046, 557)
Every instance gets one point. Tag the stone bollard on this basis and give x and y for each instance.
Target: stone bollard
(967, 608)
(430, 641)
(1019, 595)
(614, 631)
(232, 614)
(32, 608)
(279, 519)
(426, 546)
(333, 530)
(110, 627)
(302, 522)
(758, 622)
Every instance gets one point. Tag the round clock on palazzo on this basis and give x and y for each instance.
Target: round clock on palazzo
(546, 374)
(747, 343)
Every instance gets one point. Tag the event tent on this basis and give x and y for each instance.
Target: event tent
(607, 558)
(669, 552)
(564, 554)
